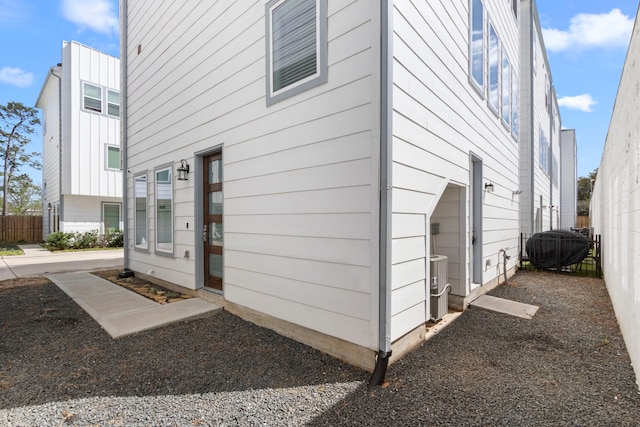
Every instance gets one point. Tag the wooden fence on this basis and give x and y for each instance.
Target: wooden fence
(17, 229)
(582, 221)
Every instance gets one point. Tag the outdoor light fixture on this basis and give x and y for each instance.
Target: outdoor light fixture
(49, 207)
(517, 192)
(183, 170)
(488, 186)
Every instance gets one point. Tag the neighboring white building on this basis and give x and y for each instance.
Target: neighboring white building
(540, 131)
(82, 177)
(615, 202)
(325, 168)
(568, 179)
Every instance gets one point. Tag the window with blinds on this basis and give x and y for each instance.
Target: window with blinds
(92, 97)
(113, 103)
(296, 46)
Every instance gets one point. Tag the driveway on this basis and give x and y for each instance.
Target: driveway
(38, 261)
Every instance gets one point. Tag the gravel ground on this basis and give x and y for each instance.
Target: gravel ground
(567, 366)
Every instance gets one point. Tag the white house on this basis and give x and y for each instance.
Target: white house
(615, 202)
(540, 130)
(568, 178)
(82, 177)
(333, 148)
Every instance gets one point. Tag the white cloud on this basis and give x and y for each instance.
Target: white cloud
(96, 15)
(15, 77)
(579, 102)
(588, 31)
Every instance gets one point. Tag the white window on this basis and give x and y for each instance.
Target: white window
(140, 195)
(547, 93)
(476, 46)
(92, 97)
(164, 211)
(506, 90)
(515, 106)
(113, 103)
(544, 153)
(494, 69)
(111, 217)
(296, 37)
(113, 157)
(534, 52)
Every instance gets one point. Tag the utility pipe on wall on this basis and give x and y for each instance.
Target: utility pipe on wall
(123, 128)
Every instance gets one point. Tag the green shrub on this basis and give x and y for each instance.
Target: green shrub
(114, 239)
(86, 240)
(60, 240)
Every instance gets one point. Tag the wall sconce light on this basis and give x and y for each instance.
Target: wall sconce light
(183, 170)
(517, 192)
(49, 207)
(488, 186)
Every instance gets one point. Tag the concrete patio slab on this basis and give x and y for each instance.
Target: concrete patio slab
(122, 312)
(130, 323)
(501, 305)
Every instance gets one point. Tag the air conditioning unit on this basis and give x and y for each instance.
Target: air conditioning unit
(439, 288)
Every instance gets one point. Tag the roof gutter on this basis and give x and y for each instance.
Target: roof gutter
(386, 135)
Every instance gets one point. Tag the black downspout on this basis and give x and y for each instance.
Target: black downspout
(384, 291)
(382, 361)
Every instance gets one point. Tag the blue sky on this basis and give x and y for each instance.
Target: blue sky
(586, 44)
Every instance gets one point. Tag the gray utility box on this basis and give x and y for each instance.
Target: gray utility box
(439, 288)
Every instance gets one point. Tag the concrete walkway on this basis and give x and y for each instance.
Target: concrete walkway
(122, 312)
(119, 311)
(37, 261)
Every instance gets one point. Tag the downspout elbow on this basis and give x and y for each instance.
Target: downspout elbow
(379, 372)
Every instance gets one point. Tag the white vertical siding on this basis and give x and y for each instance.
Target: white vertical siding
(555, 140)
(300, 193)
(86, 134)
(616, 204)
(568, 179)
(439, 119)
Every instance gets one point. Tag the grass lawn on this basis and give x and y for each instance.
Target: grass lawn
(7, 249)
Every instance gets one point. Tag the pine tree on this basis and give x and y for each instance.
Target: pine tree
(16, 125)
